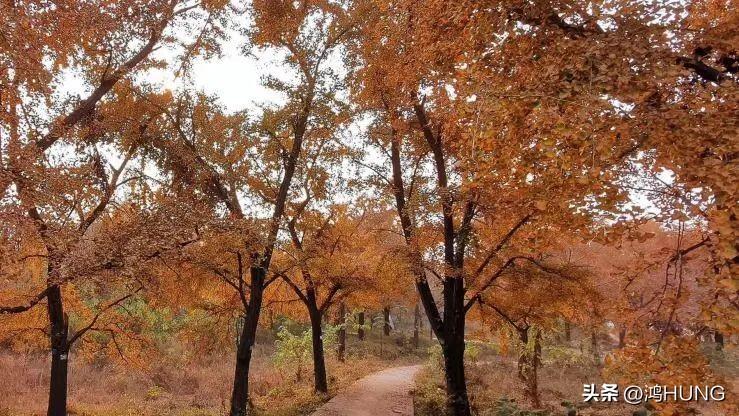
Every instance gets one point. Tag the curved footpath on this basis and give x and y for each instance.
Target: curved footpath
(386, 392)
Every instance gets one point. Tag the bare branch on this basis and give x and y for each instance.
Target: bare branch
(111, 305)
(494, 251)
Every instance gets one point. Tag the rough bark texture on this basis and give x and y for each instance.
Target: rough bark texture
(342, 332)
(453, 346)
(239, 396)
(319, 361)
(416, 325)
(456, 386)
(528, 363)
(360, 322)
(386, 320)
(58, 336)
(240, 392)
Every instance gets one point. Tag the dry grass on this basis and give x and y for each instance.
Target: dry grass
(106, 390)
(494, 389)
(198, 388)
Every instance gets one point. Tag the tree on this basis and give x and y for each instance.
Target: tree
(56, 199)
(106, 262)
(508, 116)
(692, 120)
(657, 273)
(341, 324)
(544, 292)
(332, 262)
(490, 129)
(57, 212)
(193, 148)
(267, 159)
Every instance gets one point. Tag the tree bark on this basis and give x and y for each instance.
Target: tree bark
(456, 388)
(449, 327)
(360, 323)
(342, 332)
(319, 361)
(240, 392)
(451, 337)
(622, 337)
(386, 320)
(568, 332)
(258, 272)
(416, 325)
(718, 338)
(239, 396)
(594, 347)
(58, 336)
(528, 363)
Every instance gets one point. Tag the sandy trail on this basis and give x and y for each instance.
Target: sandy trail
(386, 392)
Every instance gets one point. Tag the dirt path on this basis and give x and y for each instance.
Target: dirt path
(383, 393)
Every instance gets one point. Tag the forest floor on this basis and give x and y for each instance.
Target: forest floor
(195, 387)
(495, 390)
(376, 379)
(386, 392)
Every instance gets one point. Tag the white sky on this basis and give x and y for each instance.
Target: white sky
(235, 79)
(232, 77)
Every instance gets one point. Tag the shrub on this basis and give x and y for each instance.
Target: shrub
(559, 356)
(472, 352)
(293, 351)
(154, 392)
(508, 407)
(429, 397)
(436, 359)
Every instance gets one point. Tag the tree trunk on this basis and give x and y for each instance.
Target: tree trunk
(360, 323)
(622, 337)
(568, 332)
(240, 392)
(451, 337)
(594, 347)
(58, 336)
(239, 397)
(528, 363)
(718, 338)
(416, 325)
(386, 320)
(342, 332)
(449, 326)
(456, 389)
(319, 362)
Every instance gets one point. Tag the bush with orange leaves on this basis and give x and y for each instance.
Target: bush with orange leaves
(676, 362)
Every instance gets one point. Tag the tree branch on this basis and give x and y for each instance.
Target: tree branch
(332, 292)
(494, 251)
(7, 310)
(113, 304)
(85, 108)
